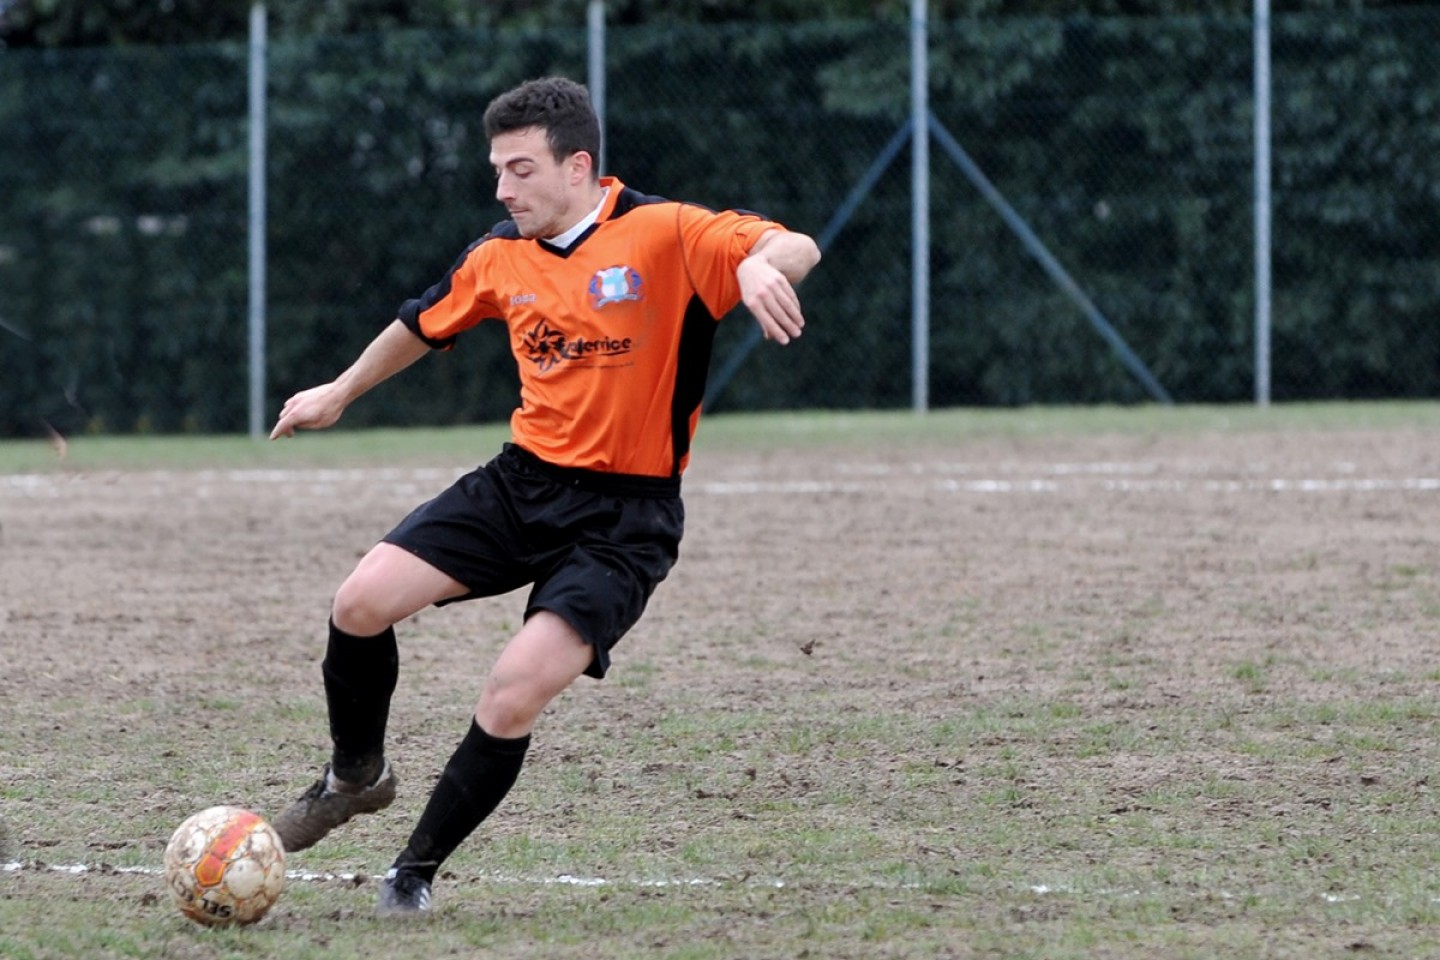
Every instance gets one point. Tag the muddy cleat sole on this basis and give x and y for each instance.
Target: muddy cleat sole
(329, 803)
(403, 895)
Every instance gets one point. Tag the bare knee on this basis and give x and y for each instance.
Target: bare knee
(359, 607)
(509, 706)
(536, 665)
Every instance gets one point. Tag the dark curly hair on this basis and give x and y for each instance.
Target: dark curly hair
(559, 106)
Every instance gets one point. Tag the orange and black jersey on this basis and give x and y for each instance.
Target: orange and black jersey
(612, 334)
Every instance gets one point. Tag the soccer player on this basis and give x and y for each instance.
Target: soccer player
(610, 299)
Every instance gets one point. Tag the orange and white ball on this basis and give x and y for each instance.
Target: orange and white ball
(225, 865)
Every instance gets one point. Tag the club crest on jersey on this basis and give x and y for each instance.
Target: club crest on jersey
(614, 285)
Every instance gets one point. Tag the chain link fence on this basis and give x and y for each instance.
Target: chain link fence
(1122, 147)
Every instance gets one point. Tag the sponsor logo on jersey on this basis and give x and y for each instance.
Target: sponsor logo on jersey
(546, 346)
(614, 285)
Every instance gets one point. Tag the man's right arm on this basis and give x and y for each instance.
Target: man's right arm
(767, 278)
(319, 407)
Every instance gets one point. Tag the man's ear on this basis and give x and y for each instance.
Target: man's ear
(581, 164)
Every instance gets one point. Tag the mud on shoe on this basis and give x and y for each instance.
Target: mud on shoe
(403, 894)
(329, 803)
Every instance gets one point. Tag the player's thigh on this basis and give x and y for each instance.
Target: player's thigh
(388, 585)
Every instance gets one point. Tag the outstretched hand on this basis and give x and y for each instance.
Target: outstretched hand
(313, 409)
(319, 407)
(772, 300)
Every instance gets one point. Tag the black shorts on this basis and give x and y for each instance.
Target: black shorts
(594, 545)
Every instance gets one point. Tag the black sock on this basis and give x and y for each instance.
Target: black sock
(480, 772)
(360, 675)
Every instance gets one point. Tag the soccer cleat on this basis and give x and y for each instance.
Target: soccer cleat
(403, 894)
(329, 803)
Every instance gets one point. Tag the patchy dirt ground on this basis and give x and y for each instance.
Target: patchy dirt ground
(1050, 656)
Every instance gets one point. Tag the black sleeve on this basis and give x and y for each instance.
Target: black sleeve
(410, 310)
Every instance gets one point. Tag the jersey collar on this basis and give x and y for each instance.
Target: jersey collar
(565, 240)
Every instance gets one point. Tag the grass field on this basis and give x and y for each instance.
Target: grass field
(1090, 683)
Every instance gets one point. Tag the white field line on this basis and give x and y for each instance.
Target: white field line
(1006, 478)
(569, 880)
(308, 876)
(999, 485)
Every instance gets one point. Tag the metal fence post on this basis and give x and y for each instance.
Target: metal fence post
(596, 24)
(1262, 202)
(919, 207)
(257, 221)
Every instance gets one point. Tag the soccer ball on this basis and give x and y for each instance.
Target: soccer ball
(225, 865)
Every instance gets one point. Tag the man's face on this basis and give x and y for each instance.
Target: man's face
(539, 191)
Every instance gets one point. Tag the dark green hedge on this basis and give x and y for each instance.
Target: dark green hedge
(1124, 143)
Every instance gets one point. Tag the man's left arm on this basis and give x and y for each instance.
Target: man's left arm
(779, 260)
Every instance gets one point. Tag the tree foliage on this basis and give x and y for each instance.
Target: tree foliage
(72, 23)
(1124, 142)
